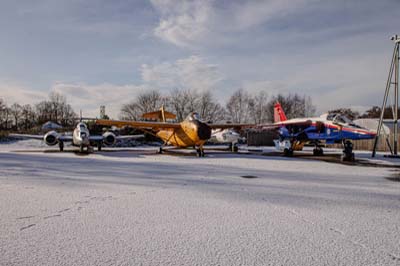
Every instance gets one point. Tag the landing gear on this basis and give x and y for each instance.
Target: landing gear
(348, 154)
(160, 150)
(288, 152)
(200, 152)
(61, 145)
(81, 149)
(99, 146)
(318, 151)
(233, 147)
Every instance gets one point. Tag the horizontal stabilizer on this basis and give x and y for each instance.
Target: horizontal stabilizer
(157, 115)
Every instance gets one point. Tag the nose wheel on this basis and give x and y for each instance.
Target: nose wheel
(318, 151)
(288, 152)
(348, 154)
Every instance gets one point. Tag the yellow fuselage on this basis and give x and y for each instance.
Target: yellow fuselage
(187, 135)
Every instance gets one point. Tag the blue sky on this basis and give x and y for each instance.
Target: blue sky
(106, 52)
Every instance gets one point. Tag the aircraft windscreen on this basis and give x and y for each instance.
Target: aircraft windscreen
(193, 116)
(338, 118)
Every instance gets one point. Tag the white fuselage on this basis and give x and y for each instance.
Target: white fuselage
(225, 136)
(80, 136)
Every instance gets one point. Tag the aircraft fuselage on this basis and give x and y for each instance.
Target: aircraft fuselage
(81, 136)
(190, 133)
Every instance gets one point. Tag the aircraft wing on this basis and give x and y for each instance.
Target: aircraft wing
(224, 126)
(291, 122)
(65, 138)
(101, 138)
(96, 138)
(138, 124)
(27, 136)
(131, 136)
(41, 137)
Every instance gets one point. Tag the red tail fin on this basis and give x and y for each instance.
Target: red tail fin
(279, 114)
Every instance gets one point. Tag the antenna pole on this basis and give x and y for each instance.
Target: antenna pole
(394, 67)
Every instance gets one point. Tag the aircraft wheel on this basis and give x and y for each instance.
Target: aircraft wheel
(288, 152)
(61, 145)
(200, 152)
(318, 152)
(81, 149)
(160, 150)
(99, 147)
(348, 157)
(235, 148)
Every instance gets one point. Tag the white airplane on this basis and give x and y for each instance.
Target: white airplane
(226, 136)
(80, 138)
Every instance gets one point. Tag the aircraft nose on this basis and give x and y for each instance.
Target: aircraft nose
(203, 131)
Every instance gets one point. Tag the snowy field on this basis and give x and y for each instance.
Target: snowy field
(135, 207)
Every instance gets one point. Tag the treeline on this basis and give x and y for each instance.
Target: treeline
(241, 106)
(27, 117)
(373, 112)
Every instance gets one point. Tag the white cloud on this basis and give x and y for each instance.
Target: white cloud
(187, 73)
(88, 98)
(202, 22)
(16, 93)
(183, 23)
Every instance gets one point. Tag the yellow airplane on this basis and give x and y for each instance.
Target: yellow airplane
(191, 132)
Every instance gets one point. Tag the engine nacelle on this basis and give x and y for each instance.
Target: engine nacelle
(109, 138)
(51, 138)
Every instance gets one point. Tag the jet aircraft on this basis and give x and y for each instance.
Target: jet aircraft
(228, 135)
(80, 138)
(328, 128)
(191, 132)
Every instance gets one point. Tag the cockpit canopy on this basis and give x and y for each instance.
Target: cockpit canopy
(82, 126)
(340, 119)
(193, 117)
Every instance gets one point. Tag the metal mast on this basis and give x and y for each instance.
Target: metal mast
(394, 70)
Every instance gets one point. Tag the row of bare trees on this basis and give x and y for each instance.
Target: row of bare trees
(241, 107)
(26, 117)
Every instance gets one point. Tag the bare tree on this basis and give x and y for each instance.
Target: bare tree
(258, 107)
(293, 105)
(43, 112)
(183, 102)
(56, 109)
(3, 108)
(146, 102)
(208, 108)
(309, 108)
(130, 111)
(68, 116)
(237, 107)
(16, 113)
(57, 102)
(27, 116)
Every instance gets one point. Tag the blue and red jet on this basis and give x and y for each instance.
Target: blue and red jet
(327, 129)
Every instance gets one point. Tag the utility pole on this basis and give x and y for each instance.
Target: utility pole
(394, 70)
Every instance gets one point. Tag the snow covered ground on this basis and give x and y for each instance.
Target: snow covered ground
(135, 207)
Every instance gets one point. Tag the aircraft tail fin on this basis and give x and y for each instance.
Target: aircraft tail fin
(160, 115)
(279, 114)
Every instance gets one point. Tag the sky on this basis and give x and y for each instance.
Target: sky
(101, 52)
